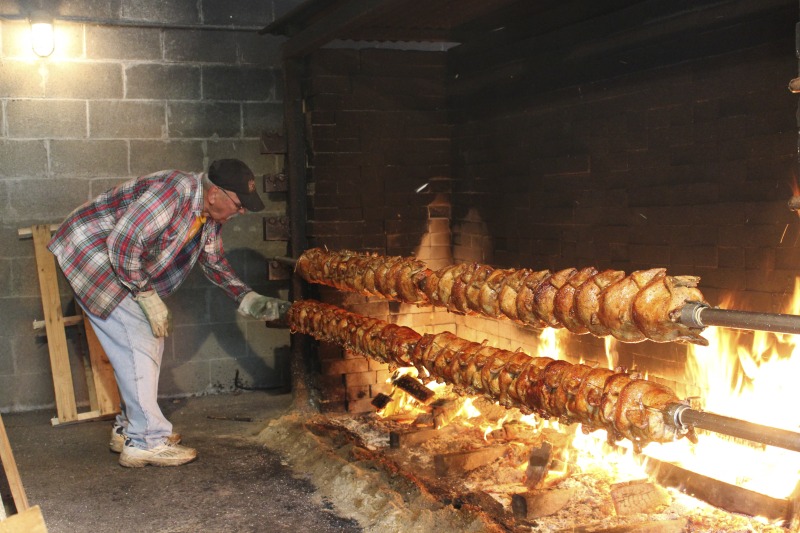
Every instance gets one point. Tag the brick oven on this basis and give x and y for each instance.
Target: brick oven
(622, 135)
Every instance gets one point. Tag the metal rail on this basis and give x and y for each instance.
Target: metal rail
(700, 315)
(684, 417)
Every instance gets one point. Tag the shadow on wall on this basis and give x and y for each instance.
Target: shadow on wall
(213, 348)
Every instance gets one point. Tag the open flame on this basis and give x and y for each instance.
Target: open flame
(751, 376)
(746, 375)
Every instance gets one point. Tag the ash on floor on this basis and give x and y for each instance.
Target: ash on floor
(236, 485)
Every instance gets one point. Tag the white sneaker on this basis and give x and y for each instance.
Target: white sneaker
(167, 454)
(117, 440)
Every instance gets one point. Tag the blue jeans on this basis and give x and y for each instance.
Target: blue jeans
(135, 354)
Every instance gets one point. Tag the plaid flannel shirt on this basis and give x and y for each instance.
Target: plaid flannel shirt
(133, 238)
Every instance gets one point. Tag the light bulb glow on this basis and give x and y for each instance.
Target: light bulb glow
(42, 35)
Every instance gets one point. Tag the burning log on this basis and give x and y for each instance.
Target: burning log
(444, 411)
(662, 526)
(407, 439)
(486, 503)
(381, 400)
(724, 495)
(623, 404)
(455, 463)
(646, 304)
(413, 387)
(538, 464)
(536, 504)
(639, 496)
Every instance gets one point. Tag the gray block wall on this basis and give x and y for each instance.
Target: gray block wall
(134, 87)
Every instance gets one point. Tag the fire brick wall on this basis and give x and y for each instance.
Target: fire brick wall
(379, 181)
(132, 88)
(686, 166)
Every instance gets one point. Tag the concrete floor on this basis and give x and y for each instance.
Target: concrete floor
(235, 485)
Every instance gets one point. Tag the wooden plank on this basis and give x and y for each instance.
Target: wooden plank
(82, 417)
(538, 464)
(662, 526)
(456, 463)
(638, 496)
(12, 474)
(407, 439)
(539, 503)
(28, 521)
(105, 383)
(68, 321)
(54, 325)
(718, 493)
(28, 232)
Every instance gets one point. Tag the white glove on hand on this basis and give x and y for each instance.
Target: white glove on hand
(156, 312)
(262, 307)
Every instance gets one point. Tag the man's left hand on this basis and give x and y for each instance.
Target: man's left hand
(263, 307)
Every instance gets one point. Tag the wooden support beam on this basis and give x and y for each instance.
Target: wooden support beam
(82, 417)
(105, 383)
(54, 325)
(12, 474)
(68, 321)
(28, 521)
(28, 232)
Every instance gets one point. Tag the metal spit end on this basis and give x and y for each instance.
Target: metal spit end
(794, 85)
(690, 314)
(673, 414)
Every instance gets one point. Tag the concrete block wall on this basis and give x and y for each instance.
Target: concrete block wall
(132, 88)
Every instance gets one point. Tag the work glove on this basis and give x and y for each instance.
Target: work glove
(263, 307)
(156, 312)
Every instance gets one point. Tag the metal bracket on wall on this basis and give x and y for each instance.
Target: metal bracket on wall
(273, 143)
(276, 183)
(279, 271)
(276, 228)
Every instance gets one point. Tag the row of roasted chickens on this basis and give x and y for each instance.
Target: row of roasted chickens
(645, 304)
(626, 405)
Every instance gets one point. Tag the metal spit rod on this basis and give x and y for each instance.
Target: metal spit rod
(683, 416)
(700, 315)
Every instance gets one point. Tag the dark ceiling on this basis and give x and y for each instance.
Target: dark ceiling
(511, 48)
(498, 23)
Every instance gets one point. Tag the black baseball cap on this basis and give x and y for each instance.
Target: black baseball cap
(234, 175)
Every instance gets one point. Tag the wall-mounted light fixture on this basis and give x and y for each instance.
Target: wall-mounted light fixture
(42, 38)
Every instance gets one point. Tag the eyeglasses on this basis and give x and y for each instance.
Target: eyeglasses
(239, 206)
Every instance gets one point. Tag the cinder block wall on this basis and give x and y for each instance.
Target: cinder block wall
(132, 88)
